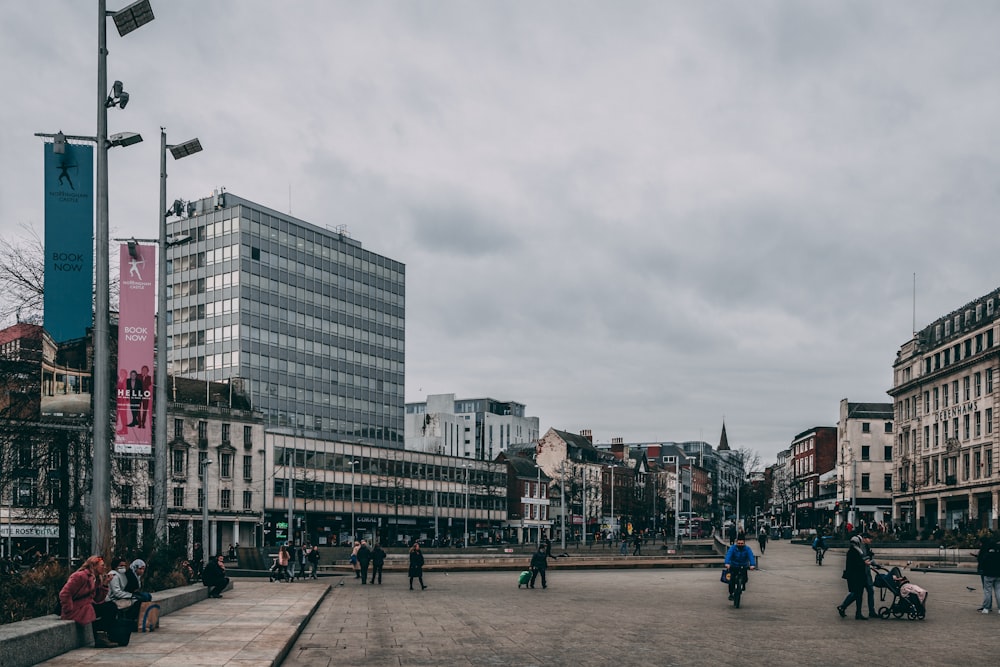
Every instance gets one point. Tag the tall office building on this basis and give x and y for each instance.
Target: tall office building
(307, 319)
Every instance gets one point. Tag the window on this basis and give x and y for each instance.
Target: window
(226, 499)
(248, 436)
(125, 464)
(866, 427)
(248, 468)
(202, 457)
(966, 427)
(977, 467)
(866, 453)
(927, 403)
(965, 466)
(179, 429)
(866, 482)
(202, 431)
(226, 466)
(989, 421)
(988, 456)
(979, 424)
(936, 403)
(954, 389)
(967, 388)
(887, 482)
(888, 425)
(989, 380)
(150, 494)
(26, 492)
(887, 452)
(979, 384)
(126, 496)
(178, 496)
(178, 464)
(225, 433)
(201, 499)
(248, 500)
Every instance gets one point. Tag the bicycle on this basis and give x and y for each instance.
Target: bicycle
(739, 579)
(819, 556)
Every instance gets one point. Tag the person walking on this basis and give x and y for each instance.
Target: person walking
(215, 577)
(762, 538)
(354, 560)
(313, 558)
(416, 570)
(856, 572)
(83, 598)
(364, 559)
(539, 563)
(989, 566)
(281, 565)
(637, 545)
(378, 560)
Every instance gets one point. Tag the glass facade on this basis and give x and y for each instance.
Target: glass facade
(307, 318)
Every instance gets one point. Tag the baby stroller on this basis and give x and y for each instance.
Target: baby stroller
(907, 599)
(279, 572)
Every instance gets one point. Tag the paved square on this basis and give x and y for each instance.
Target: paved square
(641, 617)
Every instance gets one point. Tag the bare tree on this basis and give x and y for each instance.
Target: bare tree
(22, 275)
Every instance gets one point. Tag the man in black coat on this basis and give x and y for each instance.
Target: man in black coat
(364, 558)
(538, 565)
(215, 577)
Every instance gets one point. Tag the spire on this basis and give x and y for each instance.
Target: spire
(724, 441)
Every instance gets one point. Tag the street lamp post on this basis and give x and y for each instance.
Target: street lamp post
(204, 507)
(612, 467)
(353, 533)
(677, 501)
(538, 507)
(160, 402)
(126, 20)
(466, 466)
(562, 503)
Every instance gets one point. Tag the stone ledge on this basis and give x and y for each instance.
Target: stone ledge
(32, 641)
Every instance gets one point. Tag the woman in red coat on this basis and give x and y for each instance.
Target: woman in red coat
(83, 599)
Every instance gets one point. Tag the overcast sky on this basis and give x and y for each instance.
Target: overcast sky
(641, 218)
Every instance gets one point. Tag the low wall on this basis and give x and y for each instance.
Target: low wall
(29, 642)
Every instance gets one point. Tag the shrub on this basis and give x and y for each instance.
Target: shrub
(32, 593)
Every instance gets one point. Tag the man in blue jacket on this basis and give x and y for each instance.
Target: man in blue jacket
(739, 555)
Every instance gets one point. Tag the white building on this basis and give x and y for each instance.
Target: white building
(478, 428)
(864, 463)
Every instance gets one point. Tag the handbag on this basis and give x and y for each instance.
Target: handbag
(726, 576)
(354, 559)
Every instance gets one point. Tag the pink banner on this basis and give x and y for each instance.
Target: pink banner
(136, 329)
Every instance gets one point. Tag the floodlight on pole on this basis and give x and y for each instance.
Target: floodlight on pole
(124, 139)
(187, 148)
(160, 401)
(131, 18)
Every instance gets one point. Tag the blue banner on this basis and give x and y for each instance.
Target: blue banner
(69, 233)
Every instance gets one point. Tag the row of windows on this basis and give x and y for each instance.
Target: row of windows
(390, 495)
(324, 327)
(379, 429)
(956, 321)
(225, 498)
(301, 240)
(948, 394)
(971, 426)
(303, 298)
(940, 469)
(495, 478)
(959, 351)
(323, 279)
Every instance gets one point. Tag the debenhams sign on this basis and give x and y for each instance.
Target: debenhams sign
(948, 413)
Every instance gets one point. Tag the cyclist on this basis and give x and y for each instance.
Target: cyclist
(739, 556)
(819, 546)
